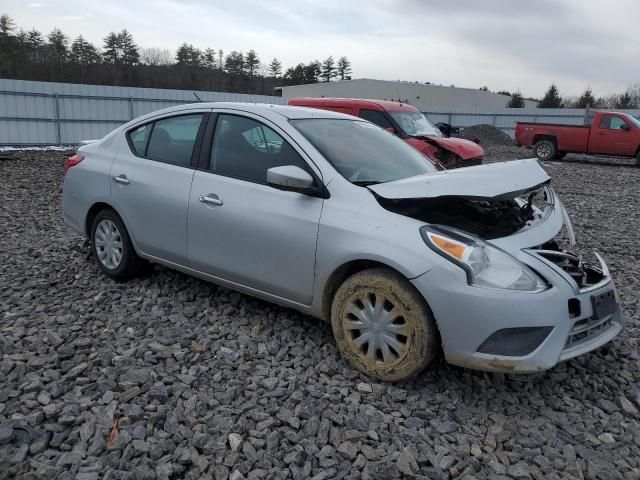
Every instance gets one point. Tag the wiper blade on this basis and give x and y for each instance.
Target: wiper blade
(365, 183)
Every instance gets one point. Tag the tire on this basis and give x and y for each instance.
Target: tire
(108, 230)
(405, 342)
(545, 150)
(560, 155)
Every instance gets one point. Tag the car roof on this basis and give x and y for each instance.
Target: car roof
(264, 109)
(361, 102)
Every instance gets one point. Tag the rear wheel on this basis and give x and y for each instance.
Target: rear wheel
(383, 326)
(112, 247)
(545, 150)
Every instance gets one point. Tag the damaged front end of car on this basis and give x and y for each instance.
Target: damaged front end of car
(511, 267)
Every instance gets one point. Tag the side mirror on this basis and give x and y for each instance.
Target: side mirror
(391, 130)
(625, 127)
(290, 178)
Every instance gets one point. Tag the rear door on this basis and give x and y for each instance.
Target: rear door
(609, 138)
(242, 230)
(151, 181)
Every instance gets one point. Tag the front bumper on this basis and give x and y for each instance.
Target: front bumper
(469, 315)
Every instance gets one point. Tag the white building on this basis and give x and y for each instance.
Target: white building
(427, 98)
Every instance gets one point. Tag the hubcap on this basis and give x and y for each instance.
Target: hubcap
(108, 244)
(543, 150)
(376, 329)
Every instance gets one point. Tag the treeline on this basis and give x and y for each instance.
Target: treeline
(552, 99)
(31, 55)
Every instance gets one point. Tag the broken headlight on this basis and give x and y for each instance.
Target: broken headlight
(485, 265)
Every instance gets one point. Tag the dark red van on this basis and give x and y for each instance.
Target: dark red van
(408, 123)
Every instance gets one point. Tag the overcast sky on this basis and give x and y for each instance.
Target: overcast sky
(504, 44)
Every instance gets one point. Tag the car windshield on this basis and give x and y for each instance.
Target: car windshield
(415, 124)
(363, 153)
(632, 119)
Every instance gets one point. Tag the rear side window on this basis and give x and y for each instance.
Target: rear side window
(139, 138)
(244, 148)
(172, 139)
(377, 117)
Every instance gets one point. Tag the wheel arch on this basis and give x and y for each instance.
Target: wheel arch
(96, 208)
(340, 274)
(542, 136)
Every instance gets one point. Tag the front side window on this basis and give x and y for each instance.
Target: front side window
(244, 148)
(361, 152)
(374, 116)
(172, 139)
(415, 124)
(612, 122)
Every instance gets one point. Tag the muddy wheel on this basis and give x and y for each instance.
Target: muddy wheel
(545, 150)
(383, 326)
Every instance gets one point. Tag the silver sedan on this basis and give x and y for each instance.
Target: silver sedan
(339, 219)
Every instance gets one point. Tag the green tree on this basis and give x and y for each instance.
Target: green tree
(344, 68)
(119, 48)
(504, 92)
(275, 68)
(551, 98)
(251, 63)
(7, 25)
(234, 66)
(516, 101)
(623, 101)
(58, 45)
(586, 100)
(130, 53)
(294, 75)
(328, 69)
(484, 88)
(312, 72)
(83, 52)
(209, 58)
(35, 44)
(187, 54)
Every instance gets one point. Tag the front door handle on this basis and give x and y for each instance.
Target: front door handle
(211, 199)
(122, 179)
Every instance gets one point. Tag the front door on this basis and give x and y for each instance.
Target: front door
(242, 230)
(609, 138)
(151, 180)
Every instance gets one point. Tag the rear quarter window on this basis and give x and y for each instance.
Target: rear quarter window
(138, 139)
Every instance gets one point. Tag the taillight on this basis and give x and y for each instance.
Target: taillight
(72, 162)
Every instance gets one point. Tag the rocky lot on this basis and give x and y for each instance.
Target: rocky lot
(170, 377)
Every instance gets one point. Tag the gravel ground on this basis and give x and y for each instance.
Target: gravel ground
(170, 377)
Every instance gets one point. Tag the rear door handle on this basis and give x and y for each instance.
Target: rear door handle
(122, 179)
(211, 199)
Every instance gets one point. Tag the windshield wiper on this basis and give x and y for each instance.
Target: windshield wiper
(365, 183)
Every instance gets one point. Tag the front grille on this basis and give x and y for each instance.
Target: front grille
(586, 329)
(584, 275)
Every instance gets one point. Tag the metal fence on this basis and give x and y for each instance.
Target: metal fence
(44, 113)
(506, 118)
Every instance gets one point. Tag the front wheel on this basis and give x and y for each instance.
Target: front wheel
(545, 150)
(383, 326)
(112, 247)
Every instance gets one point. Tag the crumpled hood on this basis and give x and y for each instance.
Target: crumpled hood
(495, 180)
(463, 148)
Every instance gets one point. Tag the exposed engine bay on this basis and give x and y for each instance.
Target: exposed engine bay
(484, 218)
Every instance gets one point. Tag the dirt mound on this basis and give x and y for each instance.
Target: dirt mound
(486, 135)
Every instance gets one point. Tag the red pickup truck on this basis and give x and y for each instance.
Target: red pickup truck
(610, 133)
(407, 122)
